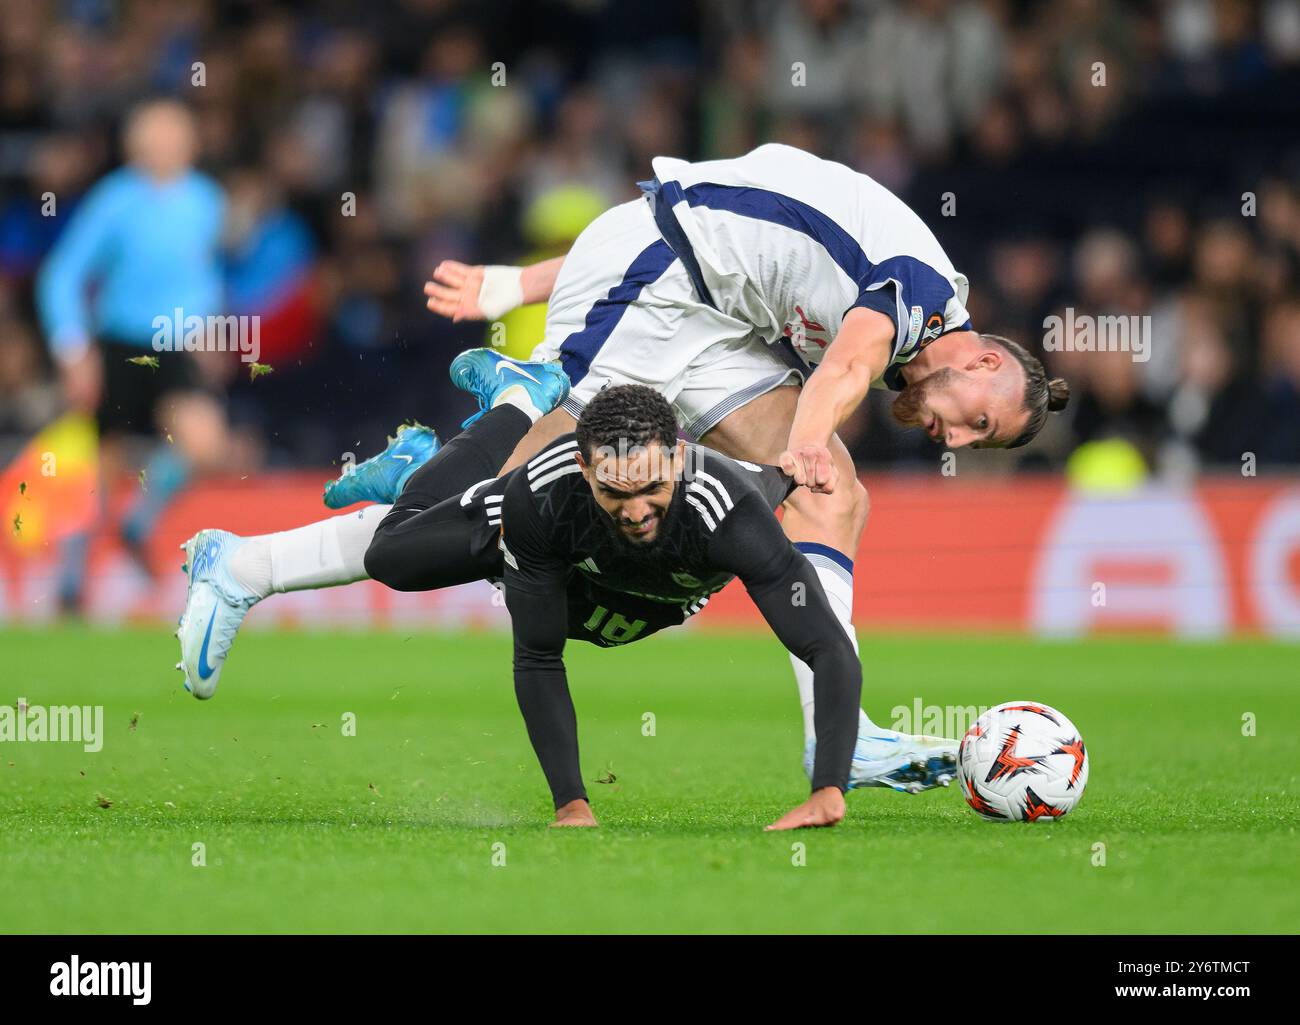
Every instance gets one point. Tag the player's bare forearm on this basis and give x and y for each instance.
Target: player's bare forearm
(462, 291)
(828, 399)
(538, 280)
(859, 355)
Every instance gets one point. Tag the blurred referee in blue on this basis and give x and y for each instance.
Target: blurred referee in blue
(143, 243)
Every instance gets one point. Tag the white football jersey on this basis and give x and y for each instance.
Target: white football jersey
(790, 243)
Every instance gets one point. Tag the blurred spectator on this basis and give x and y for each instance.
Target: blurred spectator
(1280, 417)
(144, 241)
(1099, 156)
(28, 399)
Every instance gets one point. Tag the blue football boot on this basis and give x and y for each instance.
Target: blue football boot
(381, 478)
(488, 376)
(215, 606)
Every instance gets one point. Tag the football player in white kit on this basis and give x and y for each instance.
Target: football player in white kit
(726, 285)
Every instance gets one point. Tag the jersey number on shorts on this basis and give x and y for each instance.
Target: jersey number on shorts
(617, 629)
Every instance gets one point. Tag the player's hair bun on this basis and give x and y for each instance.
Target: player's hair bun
(1058, 394)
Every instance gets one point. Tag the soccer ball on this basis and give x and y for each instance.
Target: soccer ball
(1022, 762)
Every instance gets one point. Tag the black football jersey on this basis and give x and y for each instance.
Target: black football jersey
(554, 519)
(719, 524)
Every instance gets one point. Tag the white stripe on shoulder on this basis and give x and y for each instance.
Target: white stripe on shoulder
(554, 475)
(539, 464)
(704, 513)
(707, 494)
(700, 475)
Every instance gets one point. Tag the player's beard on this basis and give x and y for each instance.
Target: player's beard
(906, 409)
(642, 549)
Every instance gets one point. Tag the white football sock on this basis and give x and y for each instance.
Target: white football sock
(327, 553)
(837, 582)
(517, 395)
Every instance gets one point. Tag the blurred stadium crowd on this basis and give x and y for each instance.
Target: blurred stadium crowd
(359, 144)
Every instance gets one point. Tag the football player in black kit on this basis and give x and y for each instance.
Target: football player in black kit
(608, 535)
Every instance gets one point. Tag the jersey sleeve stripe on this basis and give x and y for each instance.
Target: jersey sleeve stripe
(708, 496)
(551, 458)
(704, 513)
(542, 481)
(700, 475)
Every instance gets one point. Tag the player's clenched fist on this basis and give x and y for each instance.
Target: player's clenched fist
(824, 808)
(811, 466)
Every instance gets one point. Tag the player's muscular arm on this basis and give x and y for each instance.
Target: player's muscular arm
(462, 291)
(537, 281)
(858, 355)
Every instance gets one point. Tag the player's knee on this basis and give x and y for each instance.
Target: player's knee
(385, 563)
(850, 507)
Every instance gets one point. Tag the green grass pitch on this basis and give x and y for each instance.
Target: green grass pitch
(396, 829)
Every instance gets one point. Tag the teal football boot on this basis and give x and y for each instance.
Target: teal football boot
(487, 375)
(381, 478)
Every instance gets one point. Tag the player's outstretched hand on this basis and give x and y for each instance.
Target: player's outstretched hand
(811, 466)
(824, 808)
(575, 813)
(453, 291)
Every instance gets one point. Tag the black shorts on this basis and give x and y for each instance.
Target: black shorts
(129, 401)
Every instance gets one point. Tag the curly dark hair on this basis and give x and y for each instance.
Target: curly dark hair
(626, 416)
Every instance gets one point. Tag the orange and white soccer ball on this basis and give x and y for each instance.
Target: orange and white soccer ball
(1022, 762)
